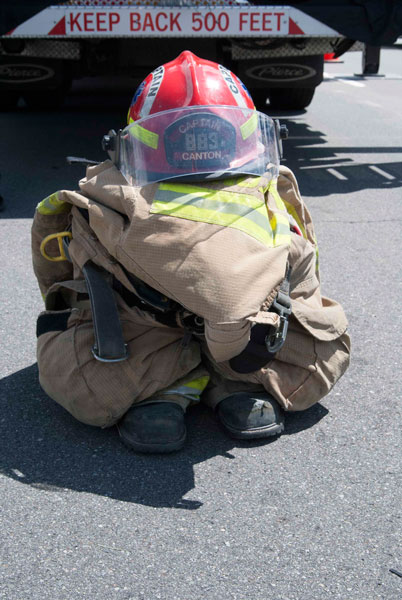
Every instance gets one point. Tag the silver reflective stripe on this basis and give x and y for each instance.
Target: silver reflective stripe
(244, 212)
(214, 204)
(157, 77)
(233, 87)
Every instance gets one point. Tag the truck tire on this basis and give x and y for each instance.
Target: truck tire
(8, 100)
(42, 83)
(49, 98)
(260, 98)
(290, 98)
(44, 99)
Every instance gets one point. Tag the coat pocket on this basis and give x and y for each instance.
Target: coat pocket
(306, 368)
(60, 374)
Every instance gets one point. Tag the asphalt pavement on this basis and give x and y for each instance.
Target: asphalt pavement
(313, 515)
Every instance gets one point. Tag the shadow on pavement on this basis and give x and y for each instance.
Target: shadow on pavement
(313, 162)
(91, 110)
(46, 448)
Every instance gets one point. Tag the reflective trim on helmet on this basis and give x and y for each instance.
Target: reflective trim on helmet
(157, 77)
(249, 126)
(227, 209)
(233, 86)
(149, 138)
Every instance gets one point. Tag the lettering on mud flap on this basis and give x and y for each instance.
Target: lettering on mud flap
(24, 73)
(280, 72)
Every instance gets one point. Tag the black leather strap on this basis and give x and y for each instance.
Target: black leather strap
(109, 343)
(266, 340)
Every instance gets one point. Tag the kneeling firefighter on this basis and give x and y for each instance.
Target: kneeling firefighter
(185, 268)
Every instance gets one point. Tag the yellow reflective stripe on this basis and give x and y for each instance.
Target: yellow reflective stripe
(286, 206)
(52, 206)
(192, 388)
(279, 219)
(149, 138)
(317, 257)
(249, 182)
(263, 189)
(272, 187)
(254, 182)
(245, 213)
(185, 190)
(278, 200)
(249, 126)
(280, 229)
(215, 217)
(292, 211)
(227, 209)
(199, 384)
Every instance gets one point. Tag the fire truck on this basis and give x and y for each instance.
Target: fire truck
(277, 50)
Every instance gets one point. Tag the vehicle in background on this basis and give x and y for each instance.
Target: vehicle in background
(276, 50)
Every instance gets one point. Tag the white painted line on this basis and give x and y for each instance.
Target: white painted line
(336, 174)
(381, 172)
(322, 166)
(351, 82)
(343, 79)
(305, 137)
(372, 103)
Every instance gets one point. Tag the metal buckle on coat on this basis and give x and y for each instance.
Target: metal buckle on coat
(124, 356)
(191, 323)
(282, 307)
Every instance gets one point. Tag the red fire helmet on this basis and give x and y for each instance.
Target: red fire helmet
(188, 81)
(194, 118)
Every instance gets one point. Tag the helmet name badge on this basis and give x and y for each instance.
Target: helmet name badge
(203, 140)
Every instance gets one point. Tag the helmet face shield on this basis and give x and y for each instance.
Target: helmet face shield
(196, 142)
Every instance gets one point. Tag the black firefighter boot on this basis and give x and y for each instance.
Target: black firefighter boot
(245, 415)
(157, 427)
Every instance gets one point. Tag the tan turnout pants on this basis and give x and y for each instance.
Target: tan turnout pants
(166, 364)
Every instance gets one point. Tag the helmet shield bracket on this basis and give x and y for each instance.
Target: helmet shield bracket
(111, 145)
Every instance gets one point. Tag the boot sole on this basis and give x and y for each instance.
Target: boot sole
(258, 433)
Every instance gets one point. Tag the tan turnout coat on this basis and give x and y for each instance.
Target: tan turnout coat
(226, 270)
